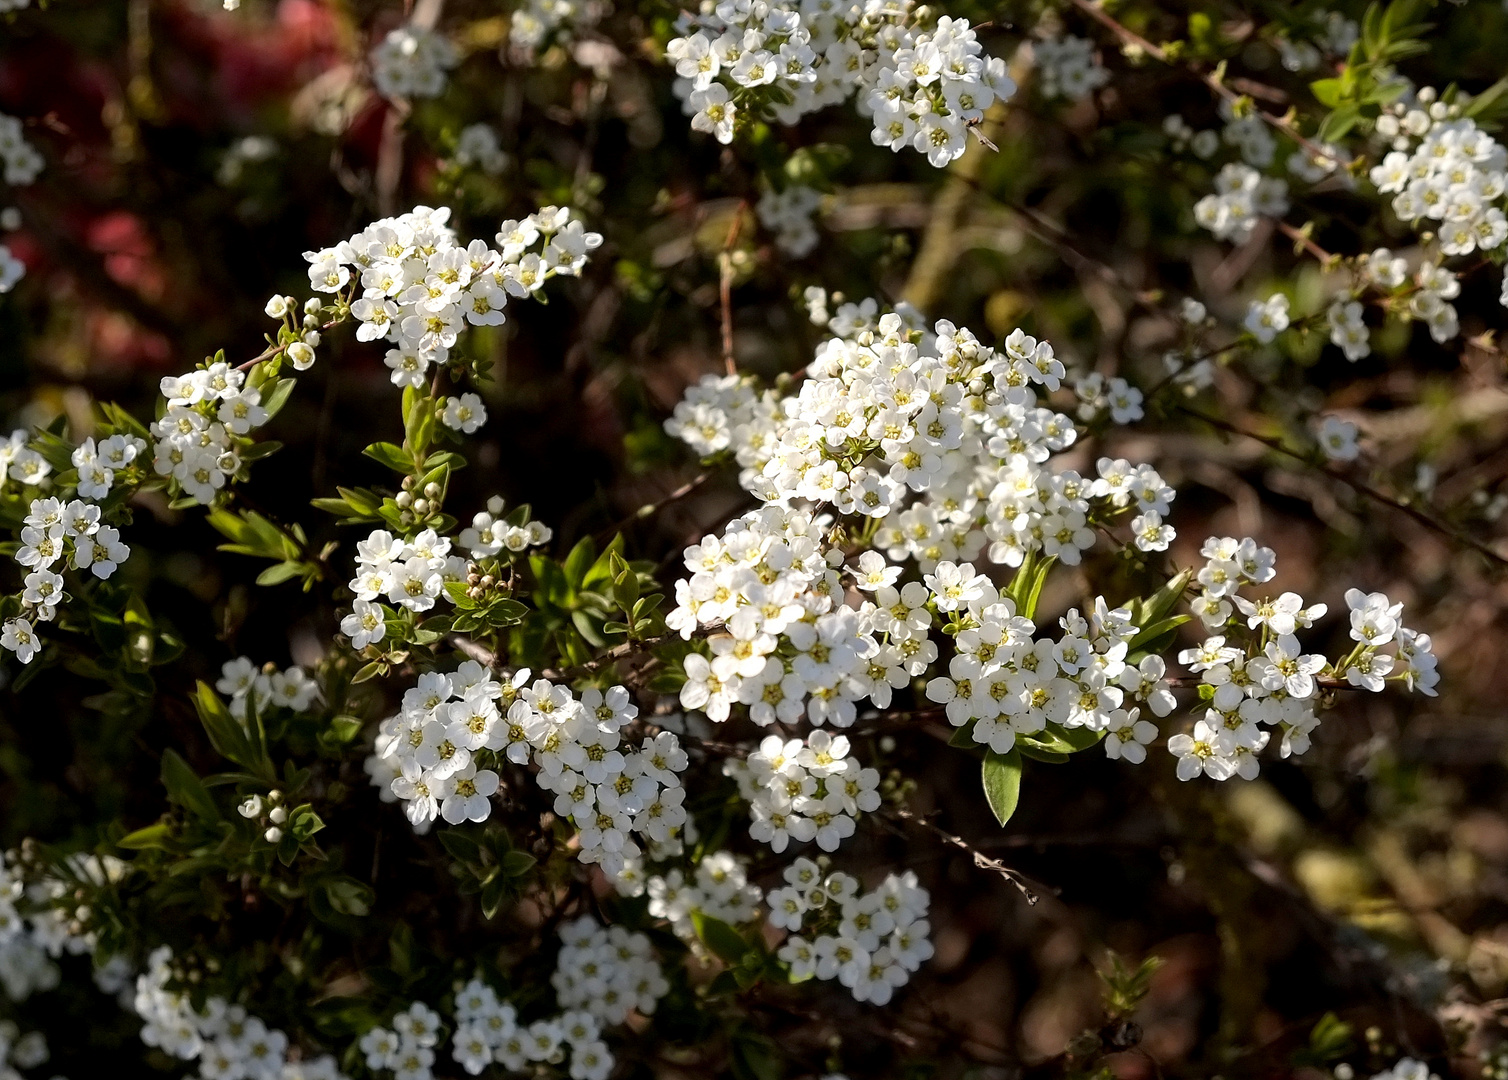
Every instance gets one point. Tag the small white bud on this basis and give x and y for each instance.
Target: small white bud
(273, 835)
(278, 815)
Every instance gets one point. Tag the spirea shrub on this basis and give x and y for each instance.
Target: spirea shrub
(707, 490)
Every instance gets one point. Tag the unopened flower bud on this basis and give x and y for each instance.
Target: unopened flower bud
(273, 835)
(431, 490)
(278, 815)
(404, 500)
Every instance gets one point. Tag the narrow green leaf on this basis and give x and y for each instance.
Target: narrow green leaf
(1002, 783)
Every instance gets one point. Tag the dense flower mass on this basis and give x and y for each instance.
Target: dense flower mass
(923, 86)
(677, 727)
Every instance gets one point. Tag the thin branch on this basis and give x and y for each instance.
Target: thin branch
(981, 860)
(725, 285)
(1359, 486)
(1131, 37)
(651, 509)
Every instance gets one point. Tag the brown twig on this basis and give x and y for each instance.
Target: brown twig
(1359, 486)
(725, 285)
(1131, 37)
(981, 860)
(651, 509)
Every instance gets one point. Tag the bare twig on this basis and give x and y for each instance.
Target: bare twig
(1131, 37)
(981, 860)
(1360, 486)
(725, 286)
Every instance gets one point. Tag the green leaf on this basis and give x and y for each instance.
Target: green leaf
(1338, 123)
(274, 400)
(1002, 783)
(1164, 600)
(279, 573)
(153, 836)
(1327, 92)
(394, 457)
(722, 939)
(516, 864)
(186, 789)
(1025, 588)
(461, 846)
(1152, 636)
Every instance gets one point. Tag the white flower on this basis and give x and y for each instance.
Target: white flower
(19, 637)
(364, 625)
(1266, 319)
(1337, 438)
(464, 413)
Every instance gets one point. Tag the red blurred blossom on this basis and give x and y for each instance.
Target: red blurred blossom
(128, 253)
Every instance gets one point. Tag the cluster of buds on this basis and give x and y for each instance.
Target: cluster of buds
(416, 510)
(479, 584)
(269, 811)
(302, 335)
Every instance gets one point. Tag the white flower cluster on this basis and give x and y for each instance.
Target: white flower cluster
(960, 428)
(788, 214)
(477, 147)
(870, 942)
(19, 160)
(923, 88)
(410, 573)
(12, 270)
(412, 62)
(1348, 329)
(28, 942)
(1270, 682)
(19, 462)
(413, 573)
(57, 534)
(1444, 172)
(19, 1051)
(804, 790)
(489, 534)
(1009, 684)
(878, 418)
(265, 687)
(1098, 394)
(720, 890)
(606, 972)
(210, 412)
(601, 976)
(1242, 195)
(228, 1043)
(1203, 144)
(420, 288)
(534, 21)
(426, 756)
(1404, 1069)
(1066, 67)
